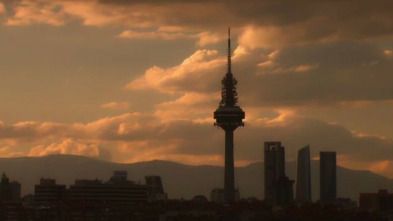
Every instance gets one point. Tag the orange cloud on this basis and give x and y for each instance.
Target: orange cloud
(191, 106)
(190, 75)
(8, 151)
(116, 105)
(67, 146)
(204, 38)
(271, 66)
(139, 137)
(155, 35)
(388, 53)
(29, 12)
(2, 9)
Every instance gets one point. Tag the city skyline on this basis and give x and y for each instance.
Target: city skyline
(126, 81)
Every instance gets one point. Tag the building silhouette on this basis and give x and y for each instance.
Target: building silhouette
(9, 191)
(155, 190)
(10, 200)
(283, 191)
(117, 191)
(229, 116)
(303, 179)
(217, 195)
(48, 193)
(381, 201)
(274, 160)
(327, 173)
(278, 187)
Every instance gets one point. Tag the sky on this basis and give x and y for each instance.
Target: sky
(136, 80)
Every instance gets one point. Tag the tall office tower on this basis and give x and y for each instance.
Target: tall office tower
(229, 116)
(303, 179)
(328, 183)
(274, 167)
(9, 191)
(155, 190)
(283, 191)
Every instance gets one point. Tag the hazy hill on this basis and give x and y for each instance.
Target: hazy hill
(179, 180)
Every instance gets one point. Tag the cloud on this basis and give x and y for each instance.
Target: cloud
(8, 151)
(276, 24)
(263, 23)
(139, 137)
(116, 105)
(189, 76)
(2, 9)
(67, 146)
(388, 53)
(191, 106)
(325, 74)
(154, 35)
(29, 12)
(204, 38)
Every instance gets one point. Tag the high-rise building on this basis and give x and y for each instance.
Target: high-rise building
(217, 195)
(328, 182)
(278, 187)
(274, 167)
(155, 190)
(10, 201)
(229, 116)
(283, 191)
(303, 179)
(9, 191)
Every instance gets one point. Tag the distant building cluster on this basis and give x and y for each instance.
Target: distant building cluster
(279, 188)
(93, 197)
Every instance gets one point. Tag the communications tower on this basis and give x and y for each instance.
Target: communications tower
(229, 116)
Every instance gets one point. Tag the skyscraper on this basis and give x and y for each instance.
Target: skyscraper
(274, 167)
(328, 182)
(229, 116)
(303, 179)
(155, 190)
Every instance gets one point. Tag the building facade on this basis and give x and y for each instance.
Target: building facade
(381, 201)
(274, 159)
(303, 178)
(278, 187)
(48, 193)
(118, 190)
(328, 180)
(155, 190)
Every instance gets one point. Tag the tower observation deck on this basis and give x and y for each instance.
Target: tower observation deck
(229, 116)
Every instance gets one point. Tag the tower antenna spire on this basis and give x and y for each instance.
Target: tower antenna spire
(229, 51)
(229, 116)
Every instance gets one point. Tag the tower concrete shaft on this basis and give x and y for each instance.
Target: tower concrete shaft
(229, 116)
(229, 176)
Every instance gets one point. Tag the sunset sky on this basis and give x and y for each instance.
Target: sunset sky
(137, 80)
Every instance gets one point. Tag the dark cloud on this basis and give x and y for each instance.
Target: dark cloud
(315, 19)
(345, 71)
(303, 75)
(10, 6)
(129, 2)
(304, 21)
